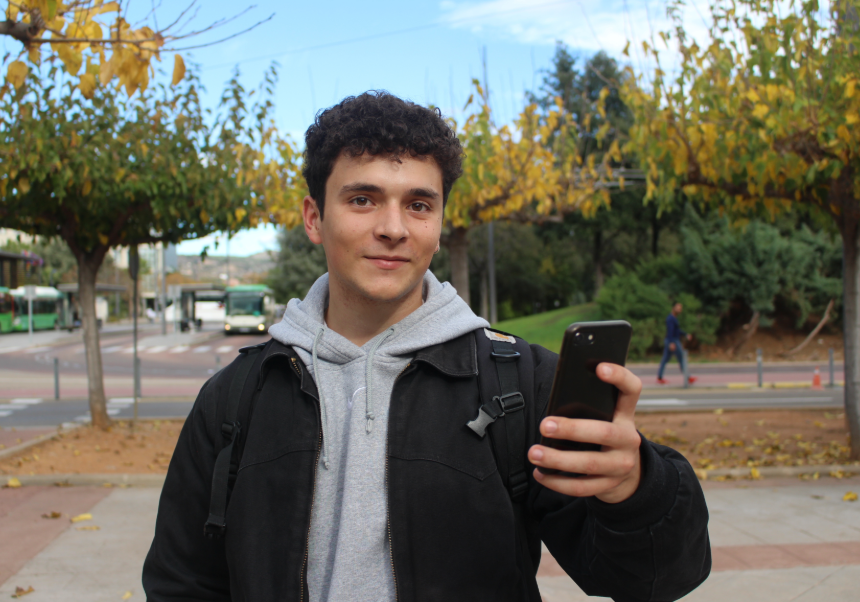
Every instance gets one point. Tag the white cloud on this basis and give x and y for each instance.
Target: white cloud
(585, 26)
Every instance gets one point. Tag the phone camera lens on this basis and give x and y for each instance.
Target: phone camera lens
(591, 337)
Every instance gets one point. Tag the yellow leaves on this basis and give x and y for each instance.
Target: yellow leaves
(103, 239)
(23, 185)
(851, 118)
(81, 517)
(240, 214)
(87, 85)
(849, 497)
(843, 133)
(16, 73)
(20, 592)
(204, 216)
(71, 57)
(126, 595)
(849, 88)
(626, 51)
(755, 473)
(178, 69)
(87, 188)
(760, 110)
(753, 96)
(12, 483)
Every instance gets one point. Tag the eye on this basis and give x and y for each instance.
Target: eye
(360, 201)
(419, 207)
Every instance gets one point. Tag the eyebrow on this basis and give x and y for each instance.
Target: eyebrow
(427, 193)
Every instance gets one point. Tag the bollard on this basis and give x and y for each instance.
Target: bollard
(759, 367)
(217, 363)
(832, 382)
(56, 378)
(686, 370)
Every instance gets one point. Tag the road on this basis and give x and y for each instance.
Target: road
(175, 366)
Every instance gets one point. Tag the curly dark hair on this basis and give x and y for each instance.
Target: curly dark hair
(378, 123)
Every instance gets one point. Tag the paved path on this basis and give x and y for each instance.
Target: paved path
(773, 541)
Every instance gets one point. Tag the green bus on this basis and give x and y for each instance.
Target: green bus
(249, 308)
(47, 309)
(6, 306)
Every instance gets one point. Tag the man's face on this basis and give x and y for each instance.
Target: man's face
(677, 309)
(383, 220)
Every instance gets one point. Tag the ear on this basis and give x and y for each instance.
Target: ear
(312, 220)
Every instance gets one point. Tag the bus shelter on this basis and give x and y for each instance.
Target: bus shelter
(185, 296)
(71, 308)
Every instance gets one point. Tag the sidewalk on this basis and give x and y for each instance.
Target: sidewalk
(773, 541)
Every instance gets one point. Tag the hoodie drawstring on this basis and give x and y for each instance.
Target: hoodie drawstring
(368, 413)
(323, 413)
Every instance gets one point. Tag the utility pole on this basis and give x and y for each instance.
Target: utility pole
(133, 267)
(491, 246)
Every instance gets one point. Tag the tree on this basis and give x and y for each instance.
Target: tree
(97, 33)
(522, 172)
(299, 263)
(110, 172)
(761, 120)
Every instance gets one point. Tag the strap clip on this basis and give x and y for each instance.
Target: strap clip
(215, 527)
(505, 357)
(512, 402)
(229, 430)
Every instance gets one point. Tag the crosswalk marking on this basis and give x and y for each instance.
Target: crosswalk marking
(156, 349)
(26, 402)
(38, 349)
(202, 349)
(662, 402)
(111, 349)
(4, 413)
(225, 349)
(9, 350)
(180, 349)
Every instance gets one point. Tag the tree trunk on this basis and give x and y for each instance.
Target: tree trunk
(850, 229)
(655, 234)
(87, 270)
(458, 247)
(812, 334)
(751, 329)
(598, 261)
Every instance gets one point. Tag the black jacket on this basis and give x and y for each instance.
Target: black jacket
(451, 522)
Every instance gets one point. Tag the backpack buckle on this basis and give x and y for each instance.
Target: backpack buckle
(505, 357)
(512, 402)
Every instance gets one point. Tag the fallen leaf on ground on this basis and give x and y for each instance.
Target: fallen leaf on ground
(12, 482)
(20, 591)
(849, 497)
(755, 473)
(52, 515)
(88, 528)
(80, 517)
(126, 595)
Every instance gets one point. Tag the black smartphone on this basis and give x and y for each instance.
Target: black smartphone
(577, 392)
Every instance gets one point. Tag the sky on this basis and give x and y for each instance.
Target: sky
(427, 51)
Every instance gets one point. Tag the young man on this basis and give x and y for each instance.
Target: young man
(672, 344)
(359, 480)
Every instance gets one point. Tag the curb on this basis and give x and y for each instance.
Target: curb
(102, 480)
(11, 451)
(778, 471)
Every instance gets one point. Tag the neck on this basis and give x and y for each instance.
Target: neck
(358, 318)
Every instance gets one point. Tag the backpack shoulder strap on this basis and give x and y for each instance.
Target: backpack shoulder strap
(216, 524)
(502, 400)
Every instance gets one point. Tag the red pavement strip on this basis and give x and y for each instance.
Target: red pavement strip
(748, 558)
(10, 437)
(25, 533)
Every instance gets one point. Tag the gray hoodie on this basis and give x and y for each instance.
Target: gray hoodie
(348, 553)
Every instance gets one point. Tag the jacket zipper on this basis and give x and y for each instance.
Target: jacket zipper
(388, 495)
(313, 492)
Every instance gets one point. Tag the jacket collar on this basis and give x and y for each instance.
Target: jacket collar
(457, 358)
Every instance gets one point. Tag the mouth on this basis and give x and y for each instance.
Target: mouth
(387, 262)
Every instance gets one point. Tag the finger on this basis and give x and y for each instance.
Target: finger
(610, 434)
(576, 487)
(629, 387)
(605, 463)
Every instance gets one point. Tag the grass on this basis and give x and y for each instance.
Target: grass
(547, 329)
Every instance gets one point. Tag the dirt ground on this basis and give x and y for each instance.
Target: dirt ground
(773, 342)
(146, 449)
(708, 439)
(751, 439)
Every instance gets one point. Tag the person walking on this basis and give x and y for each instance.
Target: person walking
(672, 344)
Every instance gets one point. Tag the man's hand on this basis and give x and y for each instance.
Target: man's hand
(612, 474)
(689, 337)
(672, 347)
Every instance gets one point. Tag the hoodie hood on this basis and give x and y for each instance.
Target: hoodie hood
(443, 316)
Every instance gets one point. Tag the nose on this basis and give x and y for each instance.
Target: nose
(391, 225)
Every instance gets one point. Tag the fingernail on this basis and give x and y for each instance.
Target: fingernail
(607, 371)
(537, 453)
(550, 426)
